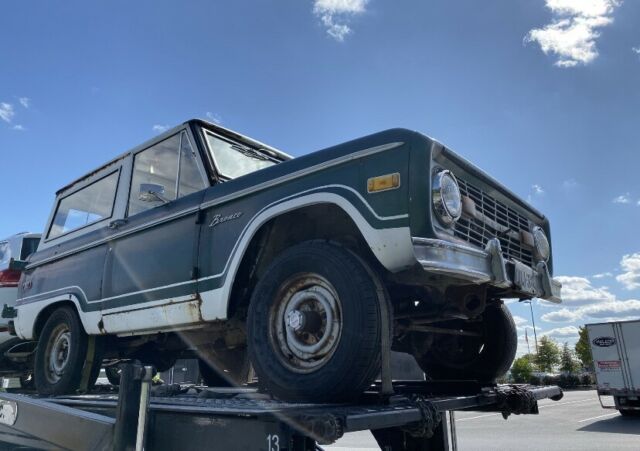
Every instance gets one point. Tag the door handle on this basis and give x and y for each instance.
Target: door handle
(117, 223)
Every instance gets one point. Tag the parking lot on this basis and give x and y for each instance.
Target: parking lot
(577, 422)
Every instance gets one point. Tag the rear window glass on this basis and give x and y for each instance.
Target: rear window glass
(89, 205)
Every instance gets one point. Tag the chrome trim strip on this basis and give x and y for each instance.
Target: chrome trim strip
(236, 195)
(84, 247)
(301, 173)
(436, 243)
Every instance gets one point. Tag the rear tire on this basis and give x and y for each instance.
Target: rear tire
(314, 324)
(61, 354)
(629, 413)
(484, 358)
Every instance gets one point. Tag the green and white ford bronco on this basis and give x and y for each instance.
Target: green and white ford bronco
(206, 241)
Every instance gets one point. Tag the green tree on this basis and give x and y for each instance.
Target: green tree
(521, 369)
(583, 350)
(568, 363)
(548, 354)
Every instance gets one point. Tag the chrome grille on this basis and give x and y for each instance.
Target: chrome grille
(493, 219)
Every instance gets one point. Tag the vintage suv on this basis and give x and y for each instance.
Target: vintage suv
(209, 241)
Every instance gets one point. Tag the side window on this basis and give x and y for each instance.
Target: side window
(91, 204)
(190, 180)
(29, 246)
(171, 167)
(158, 165)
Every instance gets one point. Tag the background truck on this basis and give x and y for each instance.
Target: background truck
(615, 348)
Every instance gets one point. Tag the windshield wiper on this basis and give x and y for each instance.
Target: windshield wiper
(250, 152)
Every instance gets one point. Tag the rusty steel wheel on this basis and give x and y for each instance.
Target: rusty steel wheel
(314, 324)
(306, 322)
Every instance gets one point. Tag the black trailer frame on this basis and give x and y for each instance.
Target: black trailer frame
(174, 417)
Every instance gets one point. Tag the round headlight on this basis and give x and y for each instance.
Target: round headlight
(543, 250)
(447, 200)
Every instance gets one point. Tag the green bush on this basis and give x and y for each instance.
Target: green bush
(587, 379)
(568, 381)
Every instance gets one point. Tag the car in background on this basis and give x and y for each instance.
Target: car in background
(13, 250)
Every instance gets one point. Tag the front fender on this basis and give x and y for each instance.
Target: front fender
(389, 238)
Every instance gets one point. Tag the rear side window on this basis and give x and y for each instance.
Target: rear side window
(171, 167)
(91, 204)
(5, 254)
(29, 246)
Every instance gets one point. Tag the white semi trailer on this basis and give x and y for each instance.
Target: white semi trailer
(615, 348)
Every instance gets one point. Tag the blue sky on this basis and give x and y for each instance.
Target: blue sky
(542, 94)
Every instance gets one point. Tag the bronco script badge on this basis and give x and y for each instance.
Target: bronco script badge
(219, 219)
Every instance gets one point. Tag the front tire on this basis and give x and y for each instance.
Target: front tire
(61, 354)
(484, 358)
(314, 324)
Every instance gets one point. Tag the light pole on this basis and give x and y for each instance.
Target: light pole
(533, 321)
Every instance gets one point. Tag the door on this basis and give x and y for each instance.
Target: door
(149, 281)
(606, 357)
(630, 332)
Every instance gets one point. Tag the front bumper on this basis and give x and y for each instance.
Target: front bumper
(486, 266)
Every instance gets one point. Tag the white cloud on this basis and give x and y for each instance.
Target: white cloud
(561, 316)
(519, 320)
(160, 128)
(335, 15)
(18, 127)
(569, 184)
(636, 50)
(213, 117)
(25, 101)
(604, 311)
(573, 32)
(622, 199)
(614, 310)
(536, 191)
(602, 275)
(6, 112)
(579, 291)
(584, 302)
(630, 278)
(562, 332)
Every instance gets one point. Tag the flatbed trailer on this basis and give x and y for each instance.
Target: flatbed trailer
(195, 418)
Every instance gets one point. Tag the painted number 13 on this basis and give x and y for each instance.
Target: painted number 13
(273, 442)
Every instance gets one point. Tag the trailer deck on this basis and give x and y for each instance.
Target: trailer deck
(189, 417)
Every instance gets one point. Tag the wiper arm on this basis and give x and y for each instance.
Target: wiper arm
(249, 152)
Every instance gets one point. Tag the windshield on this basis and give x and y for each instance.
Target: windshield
(234, 160)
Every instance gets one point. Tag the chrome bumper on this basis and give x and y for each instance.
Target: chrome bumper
(486, 266)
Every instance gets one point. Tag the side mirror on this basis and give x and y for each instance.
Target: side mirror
(17, 265)
(150, 192)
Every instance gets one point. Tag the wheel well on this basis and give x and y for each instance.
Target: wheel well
(43, 316)
(320, 221)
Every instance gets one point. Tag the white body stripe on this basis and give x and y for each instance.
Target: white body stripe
(392, 247)
(28, 313)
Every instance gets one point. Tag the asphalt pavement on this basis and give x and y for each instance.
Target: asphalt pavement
(576, 422)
